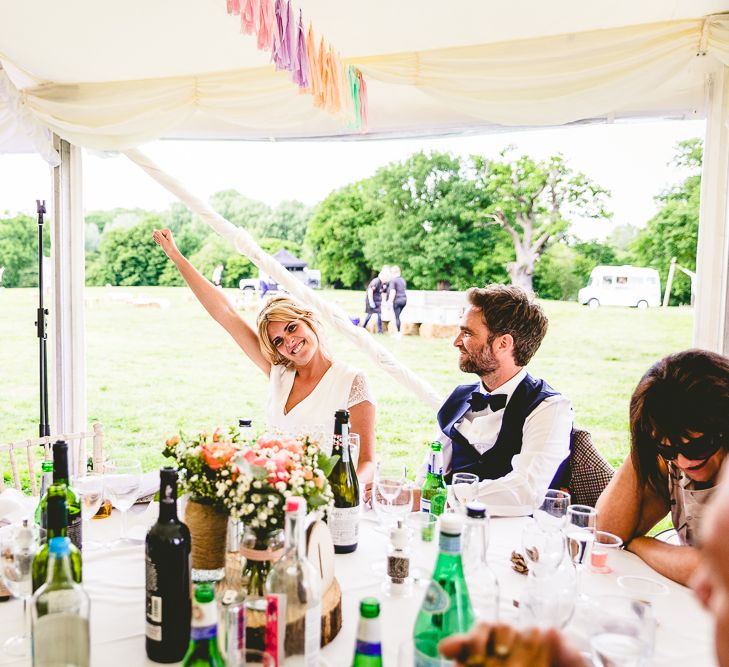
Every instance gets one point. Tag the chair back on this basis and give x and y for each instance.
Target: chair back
(20, 457)
(590, 471)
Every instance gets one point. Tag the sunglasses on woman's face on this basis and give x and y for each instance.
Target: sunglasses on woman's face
(696, 449)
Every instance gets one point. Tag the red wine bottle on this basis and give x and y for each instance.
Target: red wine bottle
(167, 554)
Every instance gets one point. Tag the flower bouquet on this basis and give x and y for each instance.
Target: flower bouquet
(263, 474)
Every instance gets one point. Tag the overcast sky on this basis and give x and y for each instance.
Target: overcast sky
(631, 160)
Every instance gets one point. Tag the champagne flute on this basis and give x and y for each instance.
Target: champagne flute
(580, 532)
(551, 512)
(122, 478)
(18, 546)
(464, 487)
(90, 487)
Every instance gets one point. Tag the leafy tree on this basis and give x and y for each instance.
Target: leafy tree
(673, 231)
(243, 212)
(535, 201)
(621, 240)
(288, 221)
(19, 250)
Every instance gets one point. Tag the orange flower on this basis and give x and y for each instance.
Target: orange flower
(173, 441)
(217, 437)
(218, 454)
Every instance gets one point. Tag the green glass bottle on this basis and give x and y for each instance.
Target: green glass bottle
(446, 609)
(368, 650)
(434, 491)
(57, 519)
(203, 649)
(343, 518)
(61, 478)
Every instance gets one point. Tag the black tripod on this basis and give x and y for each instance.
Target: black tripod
(44, 428)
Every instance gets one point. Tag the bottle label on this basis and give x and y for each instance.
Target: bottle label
(312, 635)
(204, 621)
(366, 648)
(60, 601)
(435, 465)
(425, 505)
(61, 639)
(344, 525)
(154, 613)
(436, 600)
(450, 544)
(153, 632)
(73, 532)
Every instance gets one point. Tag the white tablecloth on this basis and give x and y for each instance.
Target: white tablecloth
(115, 583)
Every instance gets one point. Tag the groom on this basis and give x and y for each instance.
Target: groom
(510, 429)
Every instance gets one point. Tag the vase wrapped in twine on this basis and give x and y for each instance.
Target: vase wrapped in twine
(208, 528)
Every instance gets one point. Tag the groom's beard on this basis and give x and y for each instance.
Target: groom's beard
(482, 363)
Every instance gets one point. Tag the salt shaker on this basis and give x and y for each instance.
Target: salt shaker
(398, 581)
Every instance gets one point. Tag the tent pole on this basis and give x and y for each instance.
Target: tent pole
(711, 328)
(69, 345)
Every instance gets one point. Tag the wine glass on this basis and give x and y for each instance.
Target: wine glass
(622, 631)
(18, 546)
(464, 488)
(389, 480)
(122, 478)
(90, 487)
(580, 532)
(549, 597)
(544, 550)
(552, 510)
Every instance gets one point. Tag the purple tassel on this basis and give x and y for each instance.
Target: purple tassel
(300, 60)
(281, 54)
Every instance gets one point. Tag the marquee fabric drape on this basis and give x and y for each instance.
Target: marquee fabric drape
(533, 82)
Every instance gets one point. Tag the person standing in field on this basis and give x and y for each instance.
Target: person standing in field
(373, 301)
(397, 294)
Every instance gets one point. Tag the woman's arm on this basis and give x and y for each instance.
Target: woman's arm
(671, 560)
(627, 508)
(362, 420)
(214, 301)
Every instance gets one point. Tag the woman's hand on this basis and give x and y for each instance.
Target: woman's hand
(489, 645)
(164, 239)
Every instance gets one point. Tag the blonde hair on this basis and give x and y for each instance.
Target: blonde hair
(283, 309)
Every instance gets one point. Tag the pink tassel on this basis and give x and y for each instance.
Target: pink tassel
(300, 60)
(266, 19)
(363, 100)
(248, 17)
(233, 6)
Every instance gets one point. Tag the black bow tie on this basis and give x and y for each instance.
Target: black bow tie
(481, 401)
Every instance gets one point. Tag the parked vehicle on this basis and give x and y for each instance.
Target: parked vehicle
(622, 286)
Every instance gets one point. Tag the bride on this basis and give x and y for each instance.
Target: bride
(306, 386)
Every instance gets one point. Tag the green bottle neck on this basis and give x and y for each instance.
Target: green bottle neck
(59, 570)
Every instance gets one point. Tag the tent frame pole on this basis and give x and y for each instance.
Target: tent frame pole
(68, 317)
(711, 312)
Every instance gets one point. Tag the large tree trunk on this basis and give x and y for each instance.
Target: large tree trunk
(521, 274)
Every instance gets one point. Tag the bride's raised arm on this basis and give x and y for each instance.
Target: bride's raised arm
(214, 301)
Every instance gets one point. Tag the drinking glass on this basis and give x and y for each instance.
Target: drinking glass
(90, 487)
(18, 546)
(548, 600)
(580, 532)
(605, 543)
(122, 478)
(424, 552)
(543, 550)
(389, 480)
(551, 512)
(622, 631)
(464, 488)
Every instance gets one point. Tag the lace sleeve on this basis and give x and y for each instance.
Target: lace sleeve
(360, 391)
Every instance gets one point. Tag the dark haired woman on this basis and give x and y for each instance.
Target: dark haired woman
(679, 425)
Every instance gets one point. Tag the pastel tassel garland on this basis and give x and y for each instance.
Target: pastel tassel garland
(248, 17)
(363, 100)
(233, 6)
(266, 20)
(300, 60)
(314, 80)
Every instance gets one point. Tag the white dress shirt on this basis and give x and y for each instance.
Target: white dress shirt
(545, 444)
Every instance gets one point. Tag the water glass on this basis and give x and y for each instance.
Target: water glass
(580, 531)
(543, 550)
(464, 488)
(122, 478)
(425, 543)
(90, 487)
(604, 544)
(549, 597)
(622, 631)
(18, 546)
(551, 512)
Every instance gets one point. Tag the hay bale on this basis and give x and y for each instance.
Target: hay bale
(428, 330)
(410, 328)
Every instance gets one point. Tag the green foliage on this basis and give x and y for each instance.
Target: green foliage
(673, 231)
(288, 221)
(19, 250)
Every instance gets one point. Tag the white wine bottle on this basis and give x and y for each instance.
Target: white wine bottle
(344, 517)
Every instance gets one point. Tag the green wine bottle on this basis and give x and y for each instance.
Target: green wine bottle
(203, 649)
(446, 607)
(434, 491)
(343, 518)
(368, 650)
(61, 478)
(57, 516)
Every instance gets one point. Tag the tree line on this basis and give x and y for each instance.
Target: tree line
(449, 222)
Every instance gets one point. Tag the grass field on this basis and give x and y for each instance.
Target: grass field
(151, 372)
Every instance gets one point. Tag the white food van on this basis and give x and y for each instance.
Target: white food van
(622, 286)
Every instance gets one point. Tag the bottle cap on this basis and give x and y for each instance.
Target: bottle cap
(436, 445)
(451, 524)
(399, 535)
(204, 593)
(476, 510)
(341, 416)
(245, 423)
(59, 546)
(47, 466)
(295, 505)
(369, 608)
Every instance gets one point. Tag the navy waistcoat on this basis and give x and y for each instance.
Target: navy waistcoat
(496, 462)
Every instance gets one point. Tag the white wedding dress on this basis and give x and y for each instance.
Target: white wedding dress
(340, 388)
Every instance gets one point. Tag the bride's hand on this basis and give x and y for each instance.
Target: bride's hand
(164, 239)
